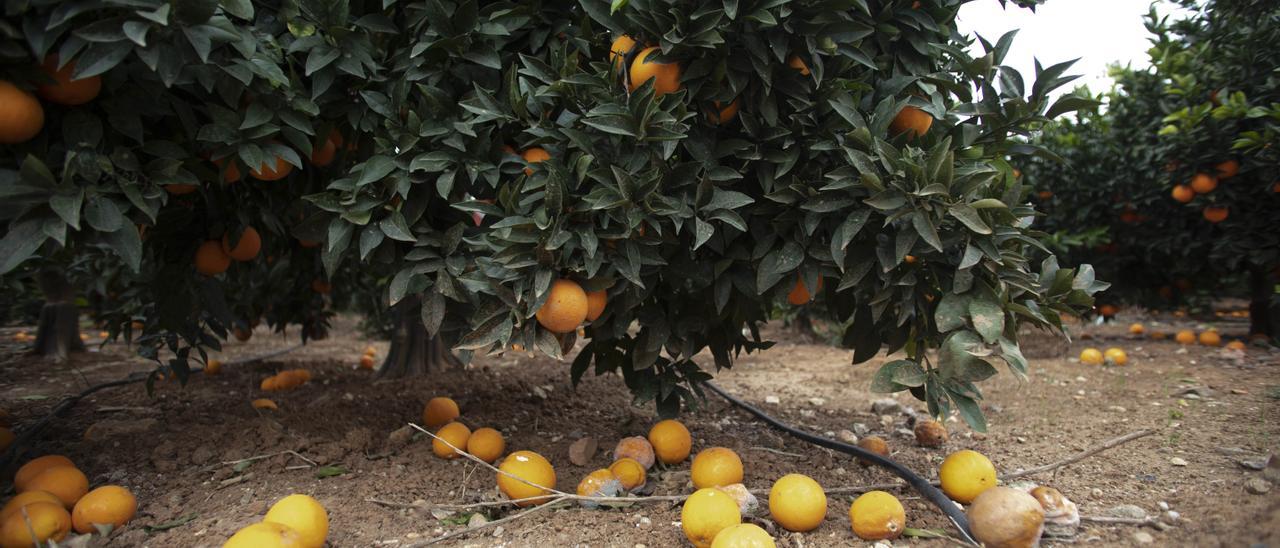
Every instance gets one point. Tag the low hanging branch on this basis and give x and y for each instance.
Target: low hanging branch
(29, 433)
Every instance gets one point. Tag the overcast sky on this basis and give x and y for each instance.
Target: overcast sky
(1099, 32)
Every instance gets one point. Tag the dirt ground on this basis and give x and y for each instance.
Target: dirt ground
(177, 450)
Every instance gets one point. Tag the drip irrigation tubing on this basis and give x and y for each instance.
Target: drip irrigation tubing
(29, 433)
(926, 489)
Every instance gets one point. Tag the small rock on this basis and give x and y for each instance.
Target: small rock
(886, 420)
(1254, 464)
(905, 433)
(581, 451)
(1172, 516)
(1195, 392)
(1128, 511)
(1178, 461)
(400, 436)
(860, 429)
(1164, 506)
(441, 513)
(1081, 379)
(818, 401)
(1143, 537)
(1257, 486)
(886, 406)
(1272, 471)
(541, 394)
(849, 437)
(116, 429)
(1239, 391)
(1117, 409)
(1095, 493)
(772, 399)
(498, 531)
(477, 519)
(644, 522)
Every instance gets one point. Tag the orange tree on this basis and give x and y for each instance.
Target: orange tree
(1176, 179)
(669, 169)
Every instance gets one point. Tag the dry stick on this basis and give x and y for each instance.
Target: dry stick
(775, 451)
(461, 532)
(1079, 456)
(1120, 521)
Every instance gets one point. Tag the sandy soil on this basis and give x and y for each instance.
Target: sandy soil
(177, 449)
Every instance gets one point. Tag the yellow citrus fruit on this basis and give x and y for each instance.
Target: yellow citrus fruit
(21, 116)
(1210, 338)
(1116, 356)
(534, 155)
(108, 505)
(912, 121)
(707, 512)
(210, 260)
(877, 515)
(743, 535)
(265, 535)
(530, 467)
(64, 90)
(1203, 183)
(723, 114)
(1002, 517)
(1183, 193)
(666, 76)
(456, 433)
(619, 49)
(263, 403)
(671, 441)
(797, 503)
(629, 472)
(1091, 356)
(67, 483)
(304, 515)
(23, 499)
(1227, 169)
(565, 308)
(37, 465)
(486, 444)
(1185, 337)
(322, 154)
(966, 474)
(1137, 329)
(596, 301)
(1236, 345)
(798, 64)
(716, 467)
(439, 411)
(49, 521)
(247, 246)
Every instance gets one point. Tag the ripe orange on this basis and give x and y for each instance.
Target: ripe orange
(530, 467)
(1204, 183)
(232, 173)
(35, 466)
(25, 498)
(180, 189)
(877, 515)
(1210, 338)
(320, 286)
(210, 260)
(323, 153)
(1005, 517)
(636, 448)
(1137, 329)
(665, 76)
(486, 444)
(671, 441)
(48, 521)
(534, 155)
(1215, 214)
(271, 171)
(1227, 169)
(21, 116)
(67, 483)
(706, 513)
(723, 114)
(874, 444)
(439, 411)
(1116, 356)
(743, 535)
(619, 49)
(213, 367)
(304, 515)
(263, 403)
(565, 308)
(1185, 337)
(1236, 345)
(1108, 310)
(242, 334)
(797, 503)
(247, 246)
(366, 362)
(799, 294)
(265, 534)
(629, 471)
(596, 300)
(1091, 356)
(716, 467)
(64, 90)
(797, 63)
(109, 504)
(913, 121)
(966, 474)
(1183, 193)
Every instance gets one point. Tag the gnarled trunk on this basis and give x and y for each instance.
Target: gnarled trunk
(1262, 314)
(58, 333)
(414, 352)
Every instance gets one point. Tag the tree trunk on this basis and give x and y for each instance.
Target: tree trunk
(58, 333)
(1262, 314)
(414, 352)
(803, 326)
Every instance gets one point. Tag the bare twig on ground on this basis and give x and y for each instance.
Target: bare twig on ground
(1120, 521)
(1079, 456)
(775, 451)
(469, 529)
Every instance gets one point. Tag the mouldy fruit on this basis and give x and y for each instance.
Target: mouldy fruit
(1061, 517)
(874, 444)
(636, 448)
(748, 504)
(601, 483)
(930, 433)
(629, 472)
(1002, 517)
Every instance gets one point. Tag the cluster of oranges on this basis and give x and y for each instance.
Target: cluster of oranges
(285, 380)
(214, 257)
(1204, 183)
(23, 114)
(296, 520)
(569, 306)
(47, 487)
(442, 414)
(367, 360)
(1112, 356)
(1208, 337)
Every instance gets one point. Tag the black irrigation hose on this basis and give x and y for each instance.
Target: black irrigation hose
(15, 449)
(933, 494)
